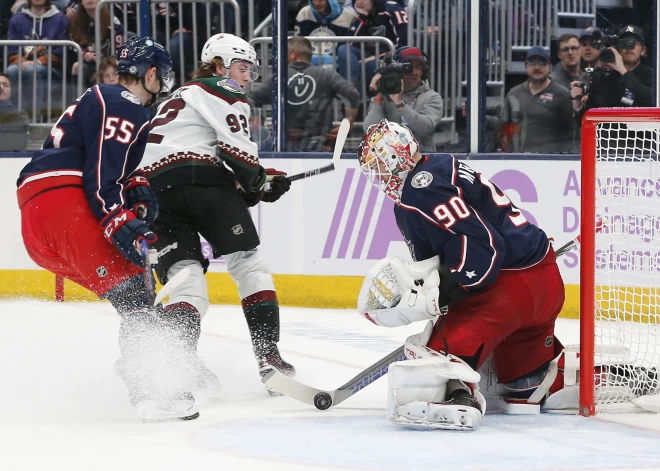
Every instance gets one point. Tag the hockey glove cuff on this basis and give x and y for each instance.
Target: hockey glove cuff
(140, 198)
(277, 184)
(124, 230)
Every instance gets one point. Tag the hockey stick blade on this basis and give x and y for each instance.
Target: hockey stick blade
(342, 135)
(174, 282)
(323, 400)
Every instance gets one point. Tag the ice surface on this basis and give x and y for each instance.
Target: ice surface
(64, 408)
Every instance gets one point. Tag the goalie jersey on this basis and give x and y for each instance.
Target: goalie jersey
(448, 209)
(201, 135)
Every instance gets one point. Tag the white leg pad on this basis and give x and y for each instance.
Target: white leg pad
(249, 272)
(418, 388)
(192, 291)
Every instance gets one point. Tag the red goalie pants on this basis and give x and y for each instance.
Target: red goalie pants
(514, 319)
(62, 235)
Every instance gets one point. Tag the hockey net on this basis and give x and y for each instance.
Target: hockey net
(620, 259)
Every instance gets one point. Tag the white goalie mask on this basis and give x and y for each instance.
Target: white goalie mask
(230, 48)
(386, 156)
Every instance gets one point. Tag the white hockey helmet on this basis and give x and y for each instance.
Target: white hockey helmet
(229, 48)
(386, 156)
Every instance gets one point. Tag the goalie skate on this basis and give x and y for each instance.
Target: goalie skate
(461, 411)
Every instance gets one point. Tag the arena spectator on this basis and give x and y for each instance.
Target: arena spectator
(38, 19)
(311, 91)
(375, 18)
(567, 70)
(417, 107)
(349, 4)
(323, 18)
(81, 31)
(587, 51)
(14, 124)
(536, 115)
(622, 81)
(107, 72)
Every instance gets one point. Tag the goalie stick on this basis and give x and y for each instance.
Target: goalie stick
(323, 400)
(342, 135)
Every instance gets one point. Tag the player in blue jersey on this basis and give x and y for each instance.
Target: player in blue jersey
(487, 273)
(79, 197)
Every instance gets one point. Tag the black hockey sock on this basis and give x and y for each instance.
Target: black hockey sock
(185, 322)
(263, 318)
(129, 296)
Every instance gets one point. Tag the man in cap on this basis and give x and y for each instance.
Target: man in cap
(537, 113)
(417, 106)
(588, 52)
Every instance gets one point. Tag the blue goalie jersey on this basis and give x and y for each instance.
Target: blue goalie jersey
(101, 137)
(448, 209)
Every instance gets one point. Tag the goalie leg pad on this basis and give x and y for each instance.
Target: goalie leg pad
(435, 392)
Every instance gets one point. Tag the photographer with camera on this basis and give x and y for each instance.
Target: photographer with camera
(401, 94)
(587, 50)
(620, 79)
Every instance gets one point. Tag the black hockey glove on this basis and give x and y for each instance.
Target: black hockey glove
(123, 229)
(278, 184)
(140, 198)
(252, 198)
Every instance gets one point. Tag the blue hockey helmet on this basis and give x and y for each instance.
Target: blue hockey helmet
(138, 54)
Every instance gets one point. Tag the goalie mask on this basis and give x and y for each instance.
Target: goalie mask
(386, 156)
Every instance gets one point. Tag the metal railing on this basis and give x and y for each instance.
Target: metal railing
(440, 30)
(378, 40)
(173, 15)
(36, 115)
(97, 31)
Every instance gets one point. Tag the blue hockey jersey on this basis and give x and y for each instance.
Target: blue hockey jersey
(448, 209)
(389, 20)
(101, 137)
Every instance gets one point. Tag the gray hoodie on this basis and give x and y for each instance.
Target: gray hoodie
(421, 114)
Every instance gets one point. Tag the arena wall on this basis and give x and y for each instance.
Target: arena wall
(323, 236)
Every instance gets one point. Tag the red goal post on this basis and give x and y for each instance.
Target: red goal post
(620, 265)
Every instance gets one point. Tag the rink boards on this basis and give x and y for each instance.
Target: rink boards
(321, 238)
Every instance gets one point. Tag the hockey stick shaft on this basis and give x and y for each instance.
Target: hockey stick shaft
(325, 399)
(568, 246)
(147, 273)
(342, 135)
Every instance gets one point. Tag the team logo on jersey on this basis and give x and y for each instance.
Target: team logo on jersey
(230, 85)
(131, 97)
(422, 180)
(102, 272)
(237, 229)
(548, 341)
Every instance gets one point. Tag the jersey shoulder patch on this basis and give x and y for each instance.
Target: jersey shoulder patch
(421, 179)
(131, 97)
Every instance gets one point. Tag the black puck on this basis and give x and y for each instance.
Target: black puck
(322, 401)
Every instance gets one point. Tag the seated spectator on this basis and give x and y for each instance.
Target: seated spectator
(311, 91)
(14, 124)
(348, 4)
(567, 70)
(82, 30)
(588, 53)
(537, 113)
(107, 72)
(323, 18)
(38, 19)
(417, 107)
(384, 18)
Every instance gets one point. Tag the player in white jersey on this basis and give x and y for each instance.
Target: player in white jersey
(205, 171)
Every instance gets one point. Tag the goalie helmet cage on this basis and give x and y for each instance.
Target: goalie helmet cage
(620, 264)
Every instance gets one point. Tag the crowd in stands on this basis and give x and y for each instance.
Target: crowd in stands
(329, 80)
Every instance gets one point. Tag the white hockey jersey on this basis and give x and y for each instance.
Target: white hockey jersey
(200, 128)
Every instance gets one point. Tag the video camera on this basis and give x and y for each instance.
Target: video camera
(392, 74)
(604, 41)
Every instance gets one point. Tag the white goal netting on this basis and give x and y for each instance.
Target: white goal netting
(627, 263)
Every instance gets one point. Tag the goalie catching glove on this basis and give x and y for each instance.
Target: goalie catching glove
(396, 292)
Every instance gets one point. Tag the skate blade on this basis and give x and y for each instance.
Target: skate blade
(154, 411)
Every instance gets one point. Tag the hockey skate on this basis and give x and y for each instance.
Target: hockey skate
(269, 359)
(152, 406)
